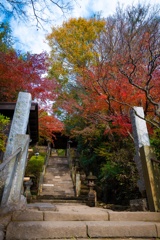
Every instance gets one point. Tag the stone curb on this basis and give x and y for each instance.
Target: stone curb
(45, 229)
(78, 229)
(121, 229)
(27, 216)
(134, 216)
(73, 216)
(86, 214)
(97, 239)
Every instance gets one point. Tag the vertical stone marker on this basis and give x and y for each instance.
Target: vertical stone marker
(19, 122)
(147, 164)
(141, 138)
(12, 197)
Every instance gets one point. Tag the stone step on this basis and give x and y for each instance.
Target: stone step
(60, 181)
(58, 215)
(22, 230)
(57, 160)
(57, 180)
(56, 175)
(58, 195)
(76, 221)
(102, 238)
(58, 191)
(57, 168)
(60, 199)
(78, 212)
(58, 184)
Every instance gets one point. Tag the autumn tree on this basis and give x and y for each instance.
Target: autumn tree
(6, 40)
(72, 52)
(27, 72)
(23, 72)
(127, 70)
(48, 126)
(138, 29)
(116, 65)
(104, 68)
(73, 47)
(78, 65)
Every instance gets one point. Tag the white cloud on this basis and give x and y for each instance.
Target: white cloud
(33, 40)
(81, 8)
(29, 38)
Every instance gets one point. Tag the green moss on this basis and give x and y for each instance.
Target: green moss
(35, 166)
(61, 152)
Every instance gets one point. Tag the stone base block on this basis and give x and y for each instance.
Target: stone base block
(135, 216)
(121, 229)
(27, 216)
(138, 205)
(48, 230)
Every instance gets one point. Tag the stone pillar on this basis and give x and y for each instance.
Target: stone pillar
(141, 138)
(16, 167)
(78, 184)
(19, 122)
(12, 198)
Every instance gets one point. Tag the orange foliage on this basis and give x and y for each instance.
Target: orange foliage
(48, 125)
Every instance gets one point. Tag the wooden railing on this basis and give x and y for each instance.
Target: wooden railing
(75, 170)
(48, 153)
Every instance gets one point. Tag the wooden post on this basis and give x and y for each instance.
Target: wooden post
(151, 171)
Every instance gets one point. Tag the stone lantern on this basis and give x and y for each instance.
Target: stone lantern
(92, 195)
(28, 183)
(77, 165)
(37, 154)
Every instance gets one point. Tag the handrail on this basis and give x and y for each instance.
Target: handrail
(155, 160)
(13, 180)
(44, 169)
(2, 165)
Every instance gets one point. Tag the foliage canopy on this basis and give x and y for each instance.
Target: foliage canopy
(105, 67)
(27, 72)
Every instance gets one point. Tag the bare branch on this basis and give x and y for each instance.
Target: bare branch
(154, 123)
(18, 9)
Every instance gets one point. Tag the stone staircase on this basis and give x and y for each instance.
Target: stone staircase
(76, 221)
(57, 182)
(48, 219)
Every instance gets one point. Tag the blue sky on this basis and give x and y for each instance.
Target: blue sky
(29, 38)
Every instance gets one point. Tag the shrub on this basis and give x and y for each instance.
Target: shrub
(61, 152)
(155, 142)
(35, 166)
(4, 121)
